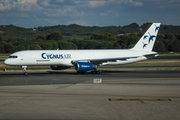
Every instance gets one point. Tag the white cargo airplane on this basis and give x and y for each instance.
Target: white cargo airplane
(86, 60)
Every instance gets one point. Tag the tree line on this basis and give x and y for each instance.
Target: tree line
(55, 40)
(77, 31)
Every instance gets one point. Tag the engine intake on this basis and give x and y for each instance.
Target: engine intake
(84, 66)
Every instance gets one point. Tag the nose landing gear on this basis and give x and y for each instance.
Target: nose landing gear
(25, 73)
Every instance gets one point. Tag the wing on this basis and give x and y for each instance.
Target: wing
(100, 61)
(103, 60)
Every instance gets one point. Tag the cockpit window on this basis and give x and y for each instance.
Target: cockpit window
(13, 56)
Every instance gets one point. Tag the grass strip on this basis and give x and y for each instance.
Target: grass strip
(131, 69)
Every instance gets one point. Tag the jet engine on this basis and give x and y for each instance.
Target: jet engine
(84, 66)
(59, 67)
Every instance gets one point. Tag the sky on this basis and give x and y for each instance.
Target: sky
(35, 13)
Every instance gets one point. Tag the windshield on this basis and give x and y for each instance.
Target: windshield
(13, 56)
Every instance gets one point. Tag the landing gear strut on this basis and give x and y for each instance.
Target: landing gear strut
(25, 73)
(95, 71)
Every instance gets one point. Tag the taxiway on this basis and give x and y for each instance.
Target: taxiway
(68, 95)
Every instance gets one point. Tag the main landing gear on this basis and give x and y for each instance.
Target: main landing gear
(92, 72)
(25, 73)
(95, 71)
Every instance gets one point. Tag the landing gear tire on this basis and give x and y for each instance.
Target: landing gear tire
(95, 72)
(25, 73)
(81, 72)
(24, 67)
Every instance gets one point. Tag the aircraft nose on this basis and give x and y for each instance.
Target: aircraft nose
(7, 62)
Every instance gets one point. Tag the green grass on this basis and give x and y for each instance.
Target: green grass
(4, 56)
(155, 63)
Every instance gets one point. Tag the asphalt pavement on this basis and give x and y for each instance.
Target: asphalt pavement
(123, 94)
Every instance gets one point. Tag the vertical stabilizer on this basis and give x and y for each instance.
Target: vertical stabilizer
(147, 41)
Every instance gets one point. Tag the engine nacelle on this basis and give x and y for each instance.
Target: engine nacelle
(58, 67)
(84, 66)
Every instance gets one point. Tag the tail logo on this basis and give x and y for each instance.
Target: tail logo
(147, 41)
(144, 45)
(157, 28)
(151, 37)
(145, 37)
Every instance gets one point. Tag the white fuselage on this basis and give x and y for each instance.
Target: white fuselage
(66, 57)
